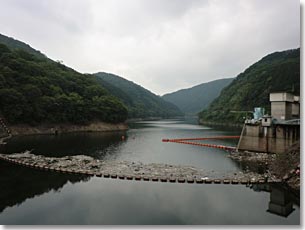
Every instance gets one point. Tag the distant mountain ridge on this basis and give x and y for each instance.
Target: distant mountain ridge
(193, 100)
(279, 71)
(141, 103)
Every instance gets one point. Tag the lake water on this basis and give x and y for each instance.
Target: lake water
(29, 196)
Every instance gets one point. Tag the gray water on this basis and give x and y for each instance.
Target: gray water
(36, 197)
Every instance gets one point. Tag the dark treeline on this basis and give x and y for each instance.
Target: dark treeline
(35, 89)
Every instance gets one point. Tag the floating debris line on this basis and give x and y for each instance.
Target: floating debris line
(201, 138)
(187, 142)
(155, 172)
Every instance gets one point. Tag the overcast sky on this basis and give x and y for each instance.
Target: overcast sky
(163, 45)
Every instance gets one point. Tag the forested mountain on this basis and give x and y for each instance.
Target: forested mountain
(35, 89)
(140, 102)
(193, 100)
(279, 71)
(15, 44)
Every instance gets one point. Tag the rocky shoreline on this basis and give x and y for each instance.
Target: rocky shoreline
(226, 124)
(285, 167)
(25, 129)
(115, 169)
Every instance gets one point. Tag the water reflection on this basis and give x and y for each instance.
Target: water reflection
(19, 183)
(143, 144)
(281, 199)
(169, 124)
(93, 144)
(72, 199)
(22, 184)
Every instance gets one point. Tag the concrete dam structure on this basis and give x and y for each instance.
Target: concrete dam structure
(277, 138)
(275, 133)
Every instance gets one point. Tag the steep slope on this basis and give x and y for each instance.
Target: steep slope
(15, 44)
(193, 100)
(279, 71)
(35, 90)
(140, 102)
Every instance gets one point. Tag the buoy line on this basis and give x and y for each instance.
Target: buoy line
(187, 142)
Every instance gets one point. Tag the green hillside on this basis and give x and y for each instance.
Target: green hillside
(193, 100)
(35, 89)
(140, 102)
(15, 44)
(279, 71)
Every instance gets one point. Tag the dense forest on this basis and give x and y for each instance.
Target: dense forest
(140, 102)
(193, 100)
(15, 44)
(35, 89)
(279, 71)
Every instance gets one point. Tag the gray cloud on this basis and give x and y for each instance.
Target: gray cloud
(163, 45)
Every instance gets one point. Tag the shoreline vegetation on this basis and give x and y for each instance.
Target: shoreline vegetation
(97, 126)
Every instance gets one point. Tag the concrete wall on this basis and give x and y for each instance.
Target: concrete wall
(295, 110)
(281, 97)
(275, 139)
(281, 110)
(285, 106)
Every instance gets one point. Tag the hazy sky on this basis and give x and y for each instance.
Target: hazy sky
(163, 45)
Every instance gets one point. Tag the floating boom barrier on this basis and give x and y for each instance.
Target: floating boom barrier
(187, 142)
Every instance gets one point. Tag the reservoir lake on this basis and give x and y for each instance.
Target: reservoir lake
(30, 196)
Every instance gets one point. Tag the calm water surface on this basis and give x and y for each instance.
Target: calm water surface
(38, 197)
